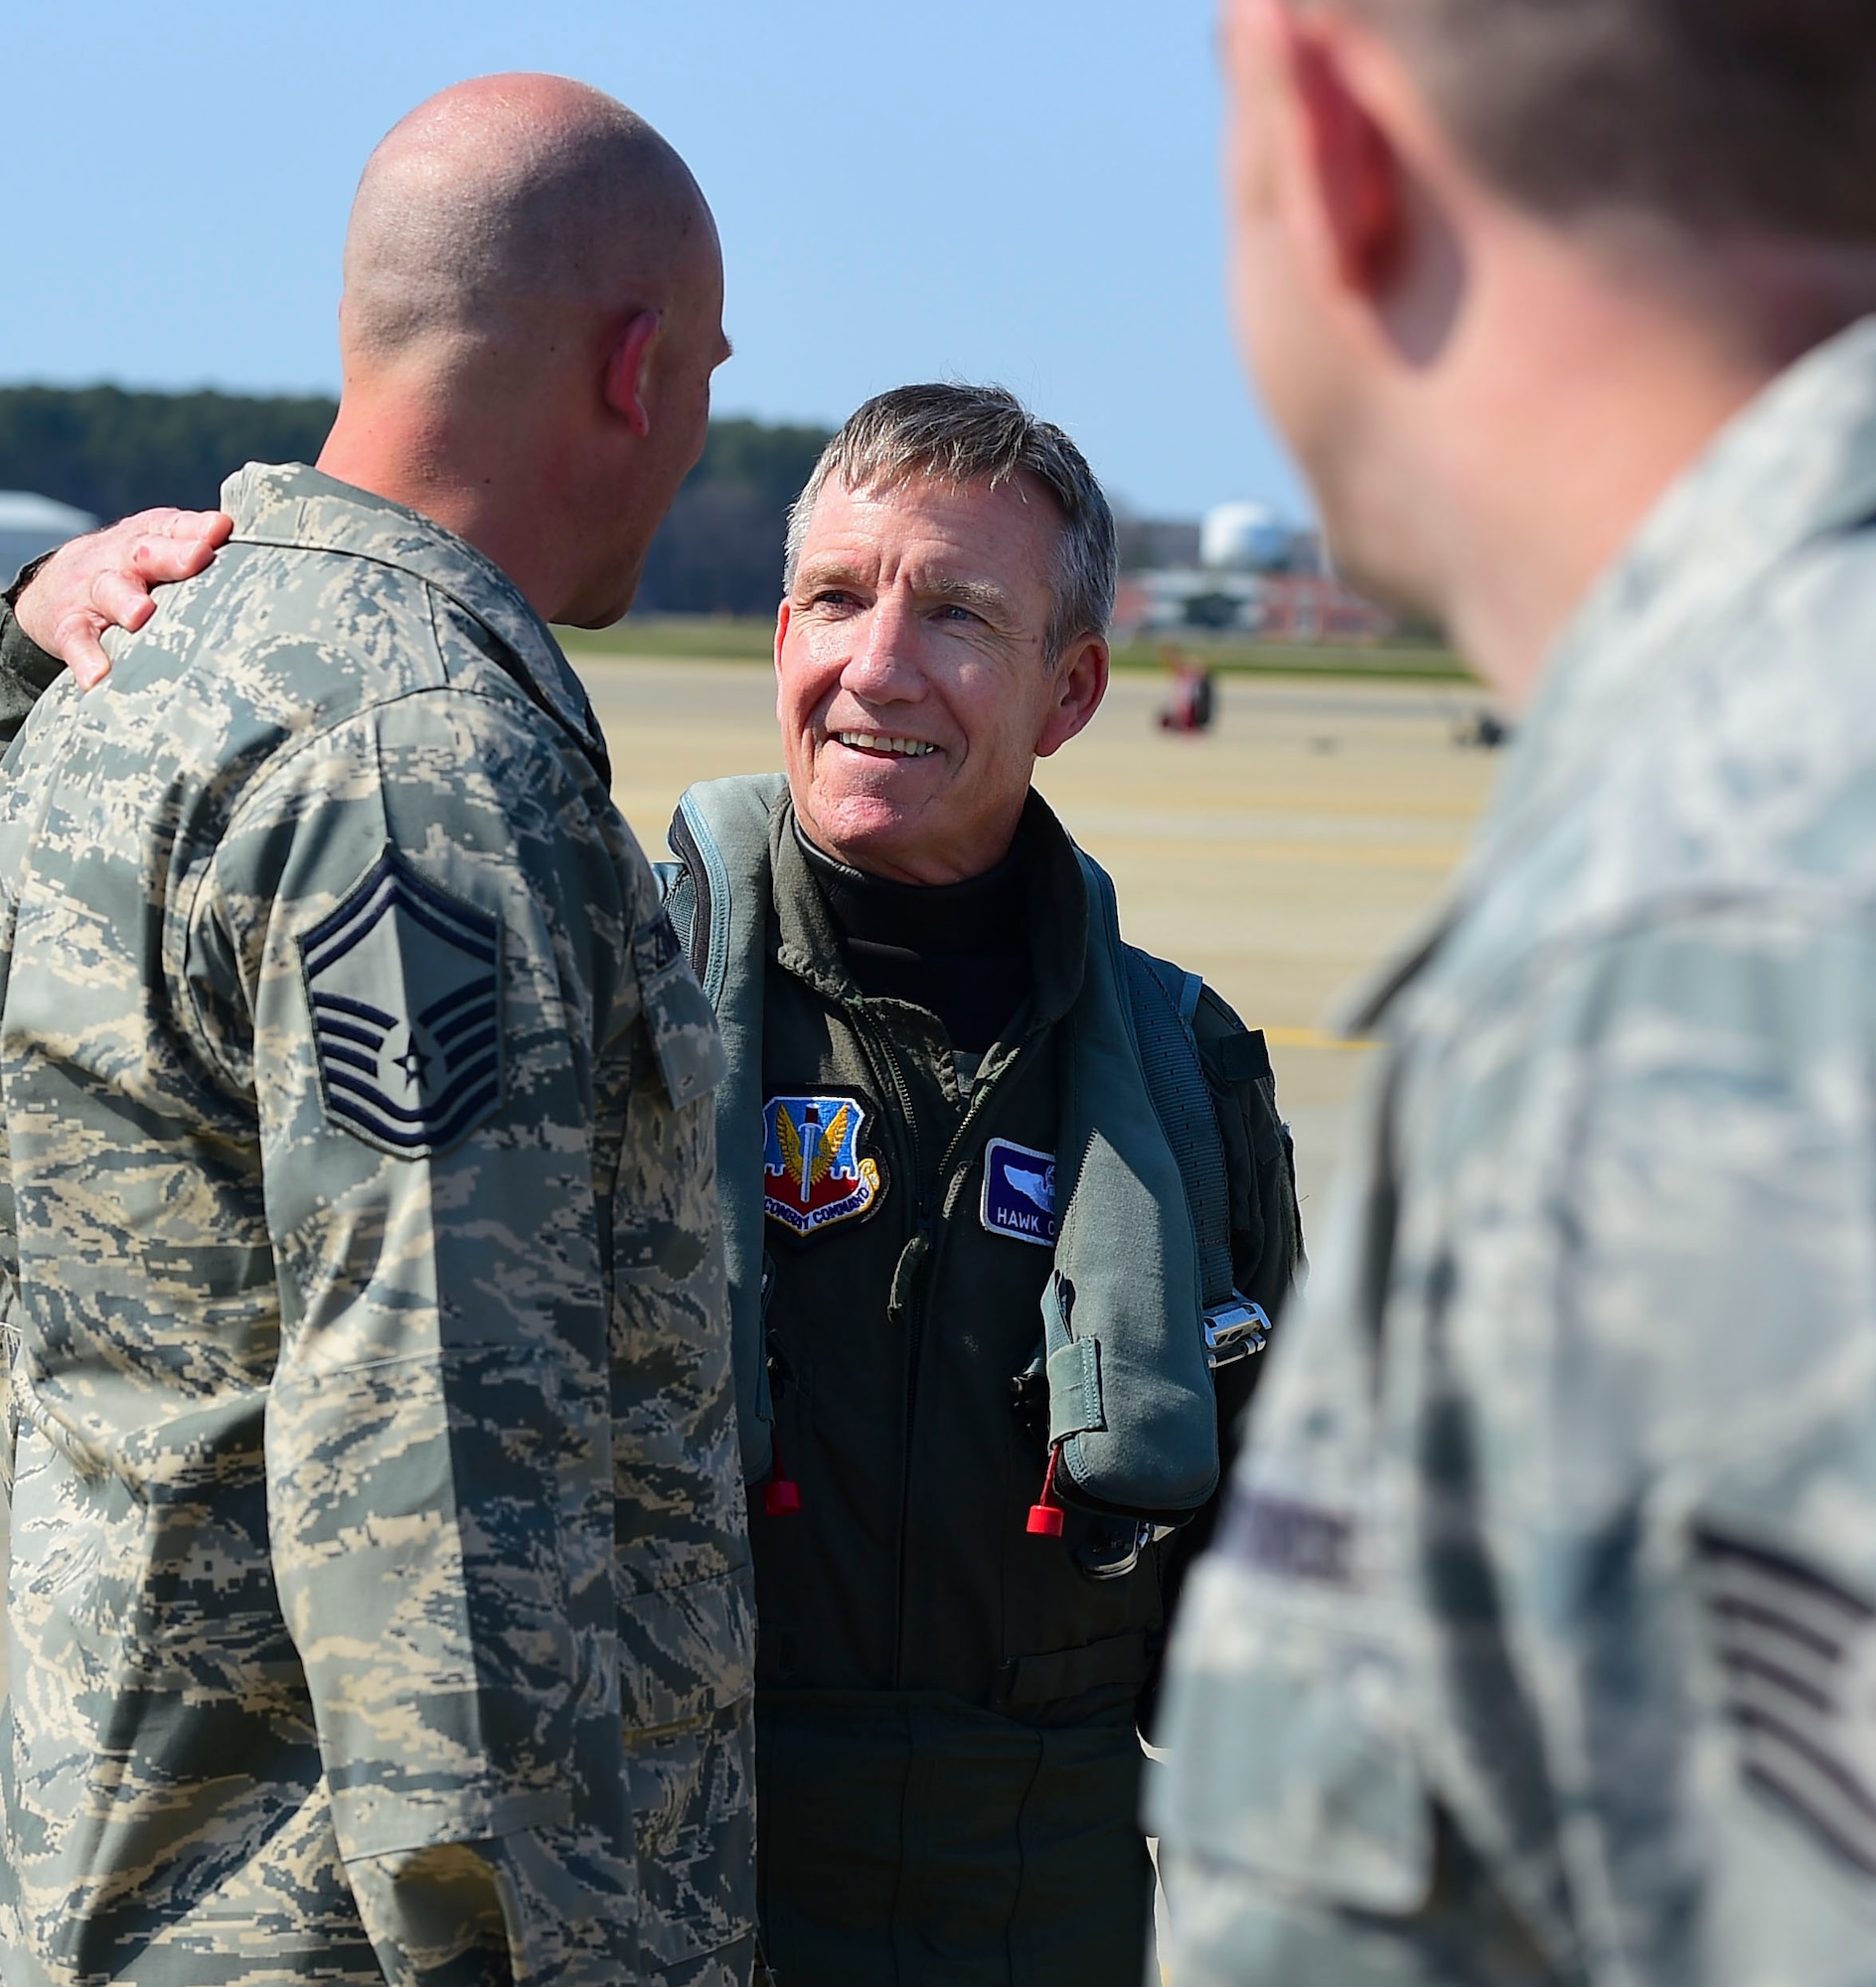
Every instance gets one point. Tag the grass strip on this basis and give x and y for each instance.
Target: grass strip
(751, 640)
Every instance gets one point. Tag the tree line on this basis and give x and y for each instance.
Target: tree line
(108, 451)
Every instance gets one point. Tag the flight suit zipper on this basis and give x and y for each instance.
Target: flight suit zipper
(913, 1276)
(904, 1310)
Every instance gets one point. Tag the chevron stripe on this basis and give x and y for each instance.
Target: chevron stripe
(1791, 1644)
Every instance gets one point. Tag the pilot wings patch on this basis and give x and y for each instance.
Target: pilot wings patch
(405, 985)
(814, 1173)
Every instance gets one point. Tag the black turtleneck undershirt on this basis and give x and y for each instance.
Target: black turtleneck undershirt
(960, 950)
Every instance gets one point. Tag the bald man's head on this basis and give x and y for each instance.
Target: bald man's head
(532, 311)
(506, 204)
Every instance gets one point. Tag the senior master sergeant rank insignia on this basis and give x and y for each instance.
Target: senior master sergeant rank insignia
(405, 985)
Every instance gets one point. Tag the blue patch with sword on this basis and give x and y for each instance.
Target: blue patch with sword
(815, 1173)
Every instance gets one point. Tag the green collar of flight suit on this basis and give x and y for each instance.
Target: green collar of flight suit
(1132, 1406)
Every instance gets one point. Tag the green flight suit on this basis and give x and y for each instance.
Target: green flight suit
(947, 1754)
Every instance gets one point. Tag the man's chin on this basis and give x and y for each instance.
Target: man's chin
(606, 601)
(864, 831)
(1377, 548)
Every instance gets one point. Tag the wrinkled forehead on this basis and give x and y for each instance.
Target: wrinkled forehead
(1003, 532)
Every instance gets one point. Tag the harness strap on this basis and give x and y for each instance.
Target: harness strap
(1143, 1253)
(1164, 998)
(717, 897)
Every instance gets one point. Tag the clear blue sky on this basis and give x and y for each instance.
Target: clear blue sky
(1013, 190)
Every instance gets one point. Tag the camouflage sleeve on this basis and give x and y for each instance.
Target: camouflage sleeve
(687, 1605)
(10, 1341)
(26, 672)
(1537, 1644)
(420, 913)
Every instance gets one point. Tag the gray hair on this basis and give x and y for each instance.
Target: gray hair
(979, 434)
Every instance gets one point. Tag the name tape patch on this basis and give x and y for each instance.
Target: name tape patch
(1020, 1192)
(814, 1173)
(655, 946)
(1291, 1540)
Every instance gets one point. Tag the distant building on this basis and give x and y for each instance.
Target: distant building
(1147, 544)
(31, 525)
(1244, 538)
(1242, 571)
(1190, 599)
(1318, 607)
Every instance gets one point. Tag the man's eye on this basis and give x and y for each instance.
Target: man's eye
(951, 611)
(832, 596)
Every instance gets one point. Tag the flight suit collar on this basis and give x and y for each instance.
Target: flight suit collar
(809, 946)
(289, 503)
(1797, 463)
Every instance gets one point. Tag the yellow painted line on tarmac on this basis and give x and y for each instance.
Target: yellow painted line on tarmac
(1314, 1038)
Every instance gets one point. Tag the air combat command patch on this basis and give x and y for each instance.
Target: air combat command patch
(814, 1174)
(406, 989)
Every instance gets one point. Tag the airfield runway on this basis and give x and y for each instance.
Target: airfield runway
(1282, 856)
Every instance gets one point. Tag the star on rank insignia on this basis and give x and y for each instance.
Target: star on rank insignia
(406, 989)
(814, 1174)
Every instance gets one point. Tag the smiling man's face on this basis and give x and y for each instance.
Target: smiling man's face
(913, 687)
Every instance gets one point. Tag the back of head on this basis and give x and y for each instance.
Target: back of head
(504, 204)
(980, 434)
(1747, 117)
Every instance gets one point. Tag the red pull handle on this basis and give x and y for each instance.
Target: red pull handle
(1047, 1517)
(782, 1496)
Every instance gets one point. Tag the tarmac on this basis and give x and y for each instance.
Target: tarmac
(1283, 854)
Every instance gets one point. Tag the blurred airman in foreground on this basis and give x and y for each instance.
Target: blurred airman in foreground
(1538, 1641)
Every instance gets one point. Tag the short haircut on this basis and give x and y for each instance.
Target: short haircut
(1755, 116)
(980, 434)
(500, 203)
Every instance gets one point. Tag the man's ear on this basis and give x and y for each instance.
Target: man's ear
(783, 614)
(1079, 682)
(1353, 179)
(624, 383)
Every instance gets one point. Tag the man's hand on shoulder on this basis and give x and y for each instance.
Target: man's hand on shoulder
(103, 580)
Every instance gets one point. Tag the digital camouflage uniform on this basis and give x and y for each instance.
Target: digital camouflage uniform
(378, 1590)
(1540, 1641)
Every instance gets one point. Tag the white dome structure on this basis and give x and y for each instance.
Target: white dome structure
(1243, 537)
(31, 525)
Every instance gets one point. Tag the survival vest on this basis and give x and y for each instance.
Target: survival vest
(1141, 1304)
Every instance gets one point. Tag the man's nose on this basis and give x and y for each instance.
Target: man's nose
(884, 659)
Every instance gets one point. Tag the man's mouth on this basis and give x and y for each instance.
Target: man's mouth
(874, 742)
